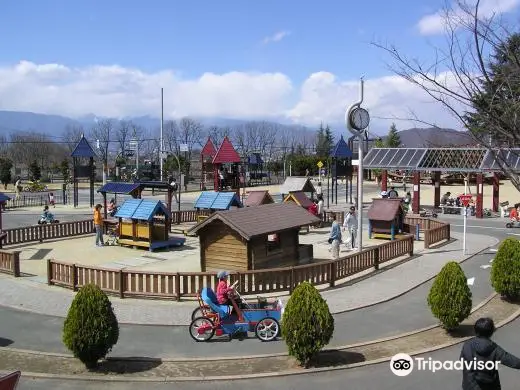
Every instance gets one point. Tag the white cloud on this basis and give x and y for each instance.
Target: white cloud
(435, 23)
(117, 92)
(277, 37)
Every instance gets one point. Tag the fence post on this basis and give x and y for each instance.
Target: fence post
(426, 239)
(16, 264)
(177, 287)
(49, 272)
(410, 241)
(332, 273)
(121, 284)
(291, 281)
(376, 258)
(74, 278)
(417, 231)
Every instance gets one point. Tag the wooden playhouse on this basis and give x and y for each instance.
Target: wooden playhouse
(145, 223)
(385, 218)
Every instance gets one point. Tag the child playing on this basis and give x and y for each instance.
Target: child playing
(51, 200)
(223, 289)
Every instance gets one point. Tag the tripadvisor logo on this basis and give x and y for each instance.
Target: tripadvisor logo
(402, 365)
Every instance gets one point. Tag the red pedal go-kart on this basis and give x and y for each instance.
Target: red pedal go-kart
(262, 318)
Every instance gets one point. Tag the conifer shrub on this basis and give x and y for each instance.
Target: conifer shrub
(307, 324)
(90, 329)
(450, 297)
(505, 271)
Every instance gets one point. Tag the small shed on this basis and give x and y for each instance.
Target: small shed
(253, 238)
(297, 183)
(299, 198)
(257, 198)
(145, 223)
(385, 218)
(214, 200)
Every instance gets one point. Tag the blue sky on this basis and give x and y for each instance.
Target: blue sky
(191, 38)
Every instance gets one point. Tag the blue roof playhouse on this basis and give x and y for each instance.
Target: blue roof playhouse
(213, 200)
(145, 223)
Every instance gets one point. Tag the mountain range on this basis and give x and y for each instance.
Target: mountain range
(54, 125)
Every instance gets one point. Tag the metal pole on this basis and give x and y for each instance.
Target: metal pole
(180, 183)
(360, 196)
(162, 141)
(328, 184)
(465, 211)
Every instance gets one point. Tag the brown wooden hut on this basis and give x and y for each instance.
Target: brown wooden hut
(252, 238)
(299, 198)
(257, 198)
(385, 218)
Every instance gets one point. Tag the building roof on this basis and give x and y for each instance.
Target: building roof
(119, 188)
(142, 209)
(209, 149)
(261, 220)
(217, 200)
(4, 198)
(226, 153)
(299, 198)
(83, 149)
(384, 209)
(255, 159)
(297, 183)
(341, 150)
(257, 198)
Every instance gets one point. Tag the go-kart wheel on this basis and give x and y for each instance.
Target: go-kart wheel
(267, 329)
(198, 312)
(509, 225)
(434, 215)
(202, 329)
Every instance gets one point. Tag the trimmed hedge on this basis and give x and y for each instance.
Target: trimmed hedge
(90, 329)
(307, 324)
(505, 271)
(450, 297)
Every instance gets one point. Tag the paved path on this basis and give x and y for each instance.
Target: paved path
(407, 313)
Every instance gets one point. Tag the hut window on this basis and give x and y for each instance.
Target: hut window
(273, 243)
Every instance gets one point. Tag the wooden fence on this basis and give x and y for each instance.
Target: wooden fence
(10, 263)
(183, 216)
(47, 231)
(435, 231)
(149, 284)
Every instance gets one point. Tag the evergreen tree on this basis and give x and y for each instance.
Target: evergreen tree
(329, 141)
(35, 173)
(393, 140)
(5, 171)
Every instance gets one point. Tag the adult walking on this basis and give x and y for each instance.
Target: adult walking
(350, 224)
(486, 352)
(98, 225)
(335, 238)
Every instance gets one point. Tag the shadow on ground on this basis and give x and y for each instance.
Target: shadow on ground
(337, 358)
(463, 330)
(130, 365)
(5, 342)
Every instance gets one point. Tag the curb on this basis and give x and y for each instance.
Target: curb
(250, 357)
(286, 373)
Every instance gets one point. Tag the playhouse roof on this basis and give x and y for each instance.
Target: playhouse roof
(257, 198)
(299, 198)
(4, 198)
(255, 159)
(142, 209)
(119, 188)
(83, 149)
(297, 183)
(341, 150)
(226, 153)
(384, 209)
(209, 149)
(268, 219)
(217, 200)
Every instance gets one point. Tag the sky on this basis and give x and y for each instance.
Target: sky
(296, 61)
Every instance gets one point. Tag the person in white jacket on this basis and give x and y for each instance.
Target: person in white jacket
(350, 224)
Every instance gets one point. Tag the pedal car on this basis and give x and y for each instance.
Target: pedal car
(263, 318)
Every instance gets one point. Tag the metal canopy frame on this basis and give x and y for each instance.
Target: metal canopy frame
(469, 160)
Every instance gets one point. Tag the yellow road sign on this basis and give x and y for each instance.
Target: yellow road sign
(320, 164)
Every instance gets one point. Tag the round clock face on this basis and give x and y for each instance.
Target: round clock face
(359, 119)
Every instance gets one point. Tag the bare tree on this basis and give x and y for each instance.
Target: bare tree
(458, 73)
(217, 134)
(190, 134)
(171, 136)
(71, 136)
(102, 132)
(123, 134)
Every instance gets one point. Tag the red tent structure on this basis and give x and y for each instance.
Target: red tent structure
(206, 157)
(226, 168)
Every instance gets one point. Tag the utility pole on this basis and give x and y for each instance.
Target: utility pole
(162, 140)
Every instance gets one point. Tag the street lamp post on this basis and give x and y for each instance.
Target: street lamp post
(357, 120)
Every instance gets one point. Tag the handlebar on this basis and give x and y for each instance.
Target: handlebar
(234, 284)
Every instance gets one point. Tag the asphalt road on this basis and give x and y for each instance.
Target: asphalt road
(407, 313)
(370, 377)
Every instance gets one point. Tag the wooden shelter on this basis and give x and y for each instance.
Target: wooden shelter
(257, 198)
(253, 238)
(226, 168)
(297, 183)
(299, 198)
(385, 218)
(83, 167)
(206, 158)
(341, 167)
(256, 170)
(145, 223)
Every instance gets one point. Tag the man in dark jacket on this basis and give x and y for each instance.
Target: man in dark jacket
(484, 350)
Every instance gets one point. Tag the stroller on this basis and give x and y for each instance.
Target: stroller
(113, 235)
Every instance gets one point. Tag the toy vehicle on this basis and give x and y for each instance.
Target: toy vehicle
(513, 224)
(263, 318)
